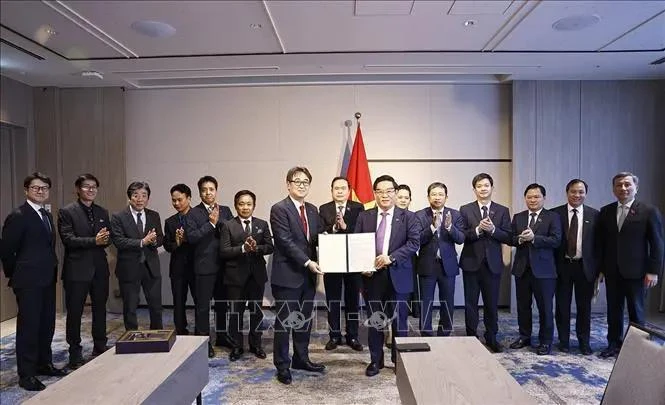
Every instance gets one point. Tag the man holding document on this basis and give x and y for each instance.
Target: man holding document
(397, 238)
(339, 217)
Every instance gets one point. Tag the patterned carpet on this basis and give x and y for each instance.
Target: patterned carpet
(555, 379)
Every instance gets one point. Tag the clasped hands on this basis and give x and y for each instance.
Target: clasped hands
(150, 238)
(527, 235)
(102, 237)
(249, 245)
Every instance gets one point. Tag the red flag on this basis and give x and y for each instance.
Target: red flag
(358, 173)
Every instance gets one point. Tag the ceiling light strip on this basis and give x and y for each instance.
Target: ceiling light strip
(90, 28)
(629, 31)
(508, 22)
(274, 26)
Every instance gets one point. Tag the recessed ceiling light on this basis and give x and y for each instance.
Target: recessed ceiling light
(576, 22)
(50, 31)
(255, 26)
(153, 29)
(469, 23)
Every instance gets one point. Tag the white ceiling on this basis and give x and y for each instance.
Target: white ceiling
(254, 42)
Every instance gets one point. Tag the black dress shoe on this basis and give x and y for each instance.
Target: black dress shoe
(333, 343)
(236, 353)
(564, 347)
(50, 370)
(75, 363)
(495, 347)
(284, 376)
(211, 351)
(258, 352)
(611, 351)
(31, 384)
(372, 369)
(520, 343)
(585, 349)
(544, 349)
(224, 340)
(96, 351)
(354, 344)
(308, 365)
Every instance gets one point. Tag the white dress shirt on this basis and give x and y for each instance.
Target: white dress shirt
(580, 223)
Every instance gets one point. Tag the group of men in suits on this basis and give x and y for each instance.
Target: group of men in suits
(217, 256)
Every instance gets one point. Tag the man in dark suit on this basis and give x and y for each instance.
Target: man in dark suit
(84, 229)
(403, 201)
(486, 226)
(30, 264)
(630, 242)
(442, 228)
(203, 227)
(397, 237)
(339, 216)
(244, 242)
(576, 266)
(137, 233)
(536, 233)
(295, 225)
(181, 265)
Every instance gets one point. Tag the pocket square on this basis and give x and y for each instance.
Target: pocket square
(259, 230)
(587, 221)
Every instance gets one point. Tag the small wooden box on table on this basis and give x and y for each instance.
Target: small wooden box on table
(176, 377)
(457, 370)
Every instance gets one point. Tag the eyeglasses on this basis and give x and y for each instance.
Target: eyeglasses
(37, 189)
(389, 191)
(300, 183)
(89, 188)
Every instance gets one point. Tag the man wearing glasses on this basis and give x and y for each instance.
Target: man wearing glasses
(30, 264)
(84, 228)
(387, 289)
(295, 226)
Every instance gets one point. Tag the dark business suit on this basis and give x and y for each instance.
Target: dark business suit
(482, 264)
(207, 264)
(293, 285)
(181, 270)
(437, 264)
(578, 272)
(85, 271)
(31, 265)
(388, 289)
(138, 266)
(626, 256)
(534, 267)
(245, 275)
(333, 282)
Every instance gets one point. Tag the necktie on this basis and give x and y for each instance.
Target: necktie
(532, 222)
(484, 208)
(45, 219)
(182, 220)
(340, 210)
(139, 222)
(381, 233)
(303, 219)
(572, 235)
(622, 215)
(247, 229)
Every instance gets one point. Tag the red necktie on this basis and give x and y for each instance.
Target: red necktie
(303, 219)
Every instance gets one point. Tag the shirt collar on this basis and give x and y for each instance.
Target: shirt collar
(297, 203)
(34, 206)
(134, 212)
(537, 212)
(390, 212)
(480, 205)
(571, 208)
(628, 204)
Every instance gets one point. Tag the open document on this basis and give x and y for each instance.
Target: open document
(346, 253)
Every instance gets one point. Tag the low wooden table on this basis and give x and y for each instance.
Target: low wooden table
(457, 370)
(176, 377)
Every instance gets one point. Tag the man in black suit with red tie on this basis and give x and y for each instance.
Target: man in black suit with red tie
(576, 266)
(244, 241)
(136, 232)
(181, 265)
(536, 233)
(30, 264)
(84, 229)
(202, 230)
(486, 226)
(339, 216)
(630, 242)
(295, 225)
